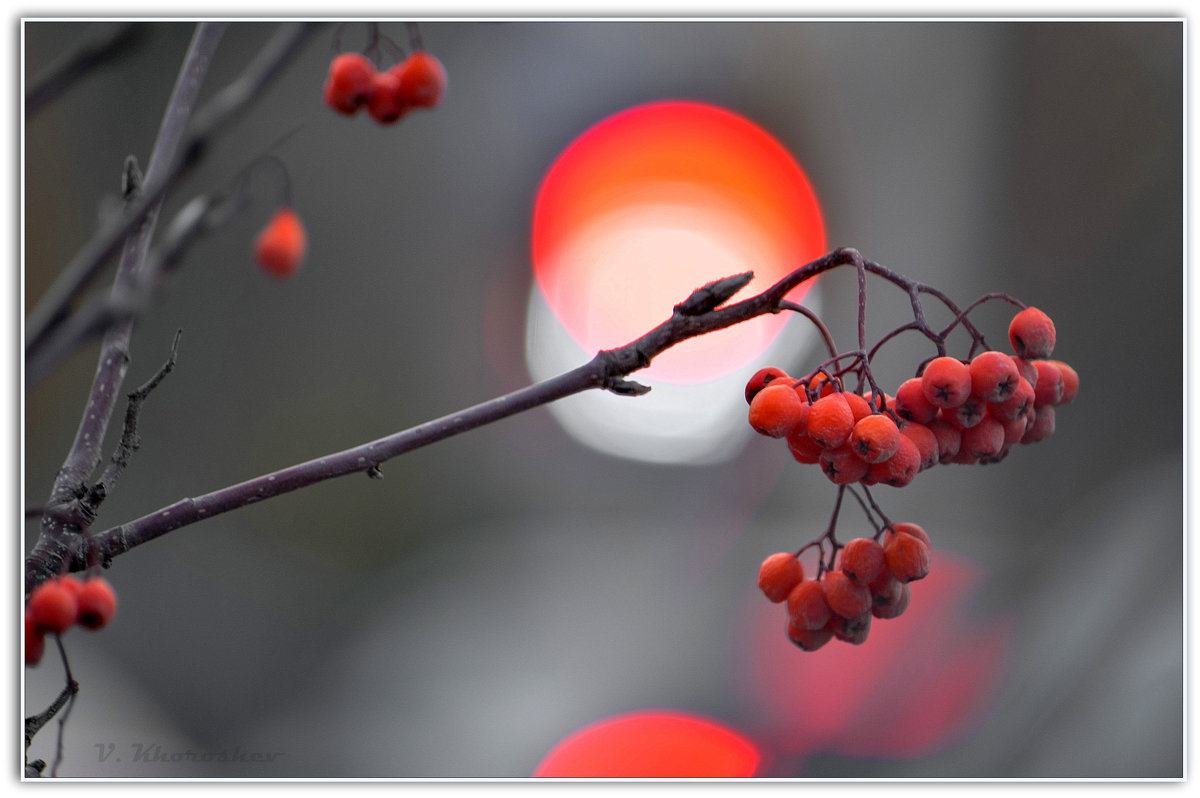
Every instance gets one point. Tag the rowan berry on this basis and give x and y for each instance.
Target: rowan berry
(387, 103)
(949, 438)
(804, 448)
(993, 376)
(776, 411)
(35, 642)
(851, 630)
(422, 79)
(899, 469)
(846, 597)
(1049, 388)
(1014, 406)
(967, 414)
(907, 557)
(1070, 382)
(280, 247)
(1025, 368)
(884, 587)
(1042, 426)
(97, 604)
(863, 560)
(926, 442)
(1031, 333)
(907, 528)
(896, 607)
(807, 605)
(875, 437)
(348, 85)
(830, 421)
(911, 403)
(860, 408)
(946, 382)
(778, 574)
(983, 440)
(843, 465)
(1014, 430)
(808, 639)
(761, 379)
(53, 606)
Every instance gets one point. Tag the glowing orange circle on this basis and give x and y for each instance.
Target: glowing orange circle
(657, 200)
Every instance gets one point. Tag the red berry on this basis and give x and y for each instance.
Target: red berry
(776, 411)
(804, 448)
(1042, 426)
(35, 642)
(1014, 406)
(897, 604)
(993, 376)
(875, 437)
(863, 560)
(846, 597)
(984, 440)
(1070, 382)
(808, 639)
(422, 79)
(911, 403)
(830, 421)
(860, 408)
(97, 604)
(907, 528)
(761, 379)
(53, 607)
(949, 438)
(899, 469)
(778, 574)
(842, 465)
(807, 605)
(851, 630)
(281, 246)
(348, 84)
(907, 557)
(1049, 388)
(967, 414)
(387, 103)
(1031, 333)
(926, 443)
(946, 382)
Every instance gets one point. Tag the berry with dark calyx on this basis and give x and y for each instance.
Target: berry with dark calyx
(387, 103)
(422, 79)
(907, 556)
(804, 449)
(967, 414)
(875, 437)
(901, 468)
(846, 597)
(984, 440)
(830, 421)
(1042, 426)
(926, 442)
(778, 574)
(282, 244)
(53, 606)
(863, 560)
(851, 630)
(97, 604)
(761, 379)
(776, 411)
(843, 465)
(911, 403)
(946, 382)
(1031, 333)
(1023, 397)
(808, 639)
(348, 85)
(993, 376)
(807, 605)
(895, 607)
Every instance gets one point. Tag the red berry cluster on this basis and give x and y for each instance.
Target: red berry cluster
(952, 412)
(57, 605)
(282, 244)
(871, 580)
(418, 81)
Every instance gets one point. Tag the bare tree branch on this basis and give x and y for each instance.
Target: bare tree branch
(101, 44)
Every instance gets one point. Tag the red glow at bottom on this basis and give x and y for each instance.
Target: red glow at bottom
(652, 744)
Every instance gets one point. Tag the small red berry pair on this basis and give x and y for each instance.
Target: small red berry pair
(418, 81)
(57, 605)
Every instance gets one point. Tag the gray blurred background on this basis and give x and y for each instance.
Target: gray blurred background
(501, 589)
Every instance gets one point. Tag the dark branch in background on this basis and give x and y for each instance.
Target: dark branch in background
(209, 121)
(100, 45)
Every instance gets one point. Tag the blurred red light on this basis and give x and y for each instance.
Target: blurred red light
(652, 744)
(657, 200)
